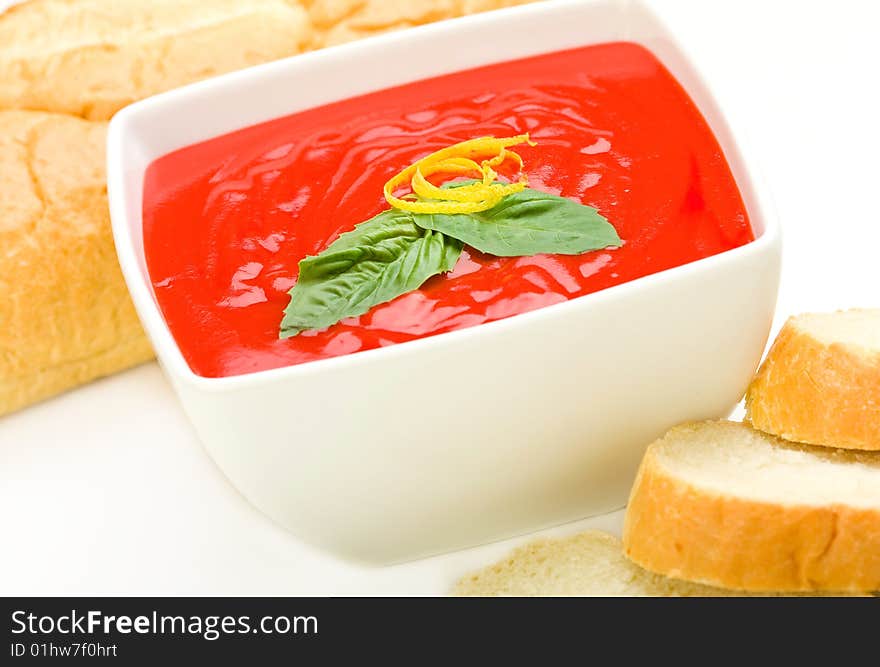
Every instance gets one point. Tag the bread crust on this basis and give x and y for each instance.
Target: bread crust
(65, 312)
(681, 531)
(90, 58)
(816, 393)
(339, 21)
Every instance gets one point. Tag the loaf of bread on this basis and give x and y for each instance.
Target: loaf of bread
(90, 58)
(820, 383)
(723, 504)
(65, 315)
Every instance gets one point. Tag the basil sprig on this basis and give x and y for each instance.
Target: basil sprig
(529, 222)
(396, 251)
(382, 258)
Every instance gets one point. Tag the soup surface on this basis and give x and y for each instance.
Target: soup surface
(226, 221)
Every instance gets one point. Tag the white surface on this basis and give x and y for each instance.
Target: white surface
(106, 490)
(364, 478)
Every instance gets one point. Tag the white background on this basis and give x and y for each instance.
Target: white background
(107, 491)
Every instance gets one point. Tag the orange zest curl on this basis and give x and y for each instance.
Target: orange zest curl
(459, 160)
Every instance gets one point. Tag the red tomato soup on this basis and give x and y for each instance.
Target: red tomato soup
(226, 221)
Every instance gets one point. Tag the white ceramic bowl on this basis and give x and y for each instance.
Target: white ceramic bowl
(544, 415)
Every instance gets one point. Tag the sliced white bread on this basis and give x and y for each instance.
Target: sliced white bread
(723, 504)
(820, 383)
(587, 564)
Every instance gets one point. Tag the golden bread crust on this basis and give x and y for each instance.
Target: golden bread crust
(90, 58)
(682, 531)
(65, 312)
(340, 21)
(817, 393)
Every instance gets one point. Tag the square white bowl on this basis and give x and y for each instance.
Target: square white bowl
(544, 415)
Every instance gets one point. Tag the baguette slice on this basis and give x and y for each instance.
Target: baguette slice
(587, 564)
(90, 58)
(723, 504)
(65, 314)
(820, 383)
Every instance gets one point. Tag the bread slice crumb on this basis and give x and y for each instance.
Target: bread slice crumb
(587, 564)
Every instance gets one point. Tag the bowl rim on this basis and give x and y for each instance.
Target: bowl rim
(767, 240)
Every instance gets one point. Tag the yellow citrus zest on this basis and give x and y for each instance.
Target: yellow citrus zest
(460, 159)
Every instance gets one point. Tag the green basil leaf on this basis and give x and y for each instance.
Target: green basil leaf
(382, 258)
(529, 222)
